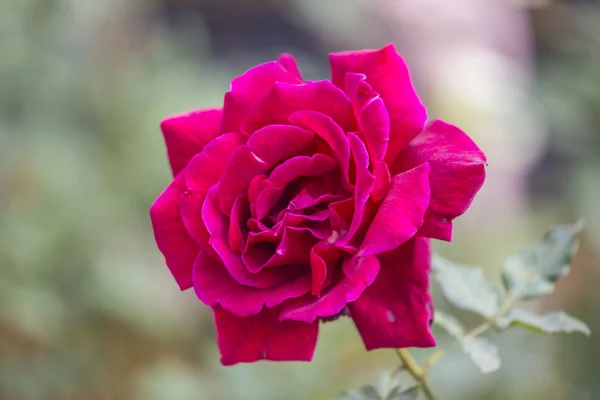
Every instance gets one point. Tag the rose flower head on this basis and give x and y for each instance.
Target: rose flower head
(299, 201)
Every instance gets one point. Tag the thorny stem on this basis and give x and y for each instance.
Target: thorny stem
(478, 330)
(411, 366)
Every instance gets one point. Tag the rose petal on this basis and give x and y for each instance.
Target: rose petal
(213, 285)
(363, 187)
(388, 75)
(241, 168)
(372, 116)
(275, 143)
(186, 134)
(324, 260)
(331, 132)
(283, 99)
(240, 213)
(382, 181)
(361, 272)
(263, 337)
(401, 213)
(285, 173)
(394, 311)
(289, 63)
(216, 224)
(341, 214)
(203, 171)
(248, 88)
(457, 174)
(172, 239)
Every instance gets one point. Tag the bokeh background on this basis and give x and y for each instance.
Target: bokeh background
(87, 308)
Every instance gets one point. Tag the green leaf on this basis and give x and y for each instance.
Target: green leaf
(534, 271)
(483, 352)
(466, 287)
(368, 392)
(400, 393)
(449, 323)
(556, 322)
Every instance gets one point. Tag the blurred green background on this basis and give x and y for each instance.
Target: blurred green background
(87, 308)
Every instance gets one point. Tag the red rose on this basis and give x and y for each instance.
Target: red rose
(299, 201)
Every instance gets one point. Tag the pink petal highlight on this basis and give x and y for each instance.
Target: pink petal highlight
(394, 311)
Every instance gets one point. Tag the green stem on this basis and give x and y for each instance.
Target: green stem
(478, 330)
(416, 372)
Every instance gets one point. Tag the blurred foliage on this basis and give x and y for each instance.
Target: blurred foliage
(87, 308)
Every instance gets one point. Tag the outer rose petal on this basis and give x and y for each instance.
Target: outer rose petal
(248, 88)
(394, 312)
(186, 135)
(171, 236)
(263, 337)
(203, 171)
(457, 174)
(401, 213)
(283, 99)
(289, 63)
(388, 75)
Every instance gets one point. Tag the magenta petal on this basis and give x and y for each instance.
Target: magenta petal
(382, 181)
(284, 99)
(285, 173)
(294, 247)
(395, 312)
(331, 132)
(289, 63)
(248, 88)
(361, 273)
(203, 171)
(275, 143)
(242, 167)
(372, 116)
(457, 174)
(401, 214)
(363, 187)
(172, 239)
(216, 224)
(263, 337)
(213, 285)
(240, 213)
(388, 75)
(186, 134)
